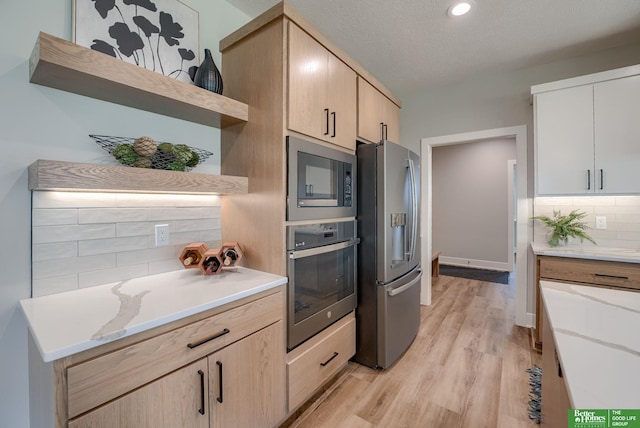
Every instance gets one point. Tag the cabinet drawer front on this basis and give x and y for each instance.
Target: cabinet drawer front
(109, 376)
(312, 367)
(611, 274)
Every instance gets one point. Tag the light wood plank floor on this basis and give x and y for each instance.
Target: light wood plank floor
(466, 368)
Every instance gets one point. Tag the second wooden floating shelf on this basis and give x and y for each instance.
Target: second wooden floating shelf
(64, 65)
(73, 176)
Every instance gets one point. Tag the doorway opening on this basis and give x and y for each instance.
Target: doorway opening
(522, 209)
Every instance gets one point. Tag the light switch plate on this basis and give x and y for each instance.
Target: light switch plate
(601, 222)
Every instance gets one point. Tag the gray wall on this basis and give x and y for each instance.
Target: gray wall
(471, 199)
(44, 123)
(497, 100)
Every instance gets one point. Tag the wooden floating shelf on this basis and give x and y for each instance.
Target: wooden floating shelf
(64, 65)
(72, 176)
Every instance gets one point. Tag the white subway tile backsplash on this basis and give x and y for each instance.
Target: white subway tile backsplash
(90, 279)
(112, 215)
(112, 245)
(128, 258)
(53, 285)
(85, 239)
(622, 214)
(72, 200)
(54, 251)
(46, 234)
(49, 268)
(54, 217)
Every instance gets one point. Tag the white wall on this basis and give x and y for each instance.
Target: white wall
(470, 202)
(497, 100)
(43, 123)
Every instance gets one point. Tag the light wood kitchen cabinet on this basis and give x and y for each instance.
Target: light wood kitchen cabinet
(322, 92)
(157, 378)
(178, 399)
(242, 391)
(555, 398)
(587, 137)
(597, 273)
(378, 116)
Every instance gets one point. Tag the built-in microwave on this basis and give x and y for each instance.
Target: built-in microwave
(321, 181)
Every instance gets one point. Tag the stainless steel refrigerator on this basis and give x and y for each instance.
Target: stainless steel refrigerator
(389, 274)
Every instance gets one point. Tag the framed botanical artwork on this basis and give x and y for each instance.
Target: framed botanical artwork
(159, 35)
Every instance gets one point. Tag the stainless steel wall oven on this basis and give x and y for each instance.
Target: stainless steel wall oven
(322, 277)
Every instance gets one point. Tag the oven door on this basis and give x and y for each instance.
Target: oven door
(321, 289)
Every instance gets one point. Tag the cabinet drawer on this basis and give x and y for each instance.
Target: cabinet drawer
(104, 378)
(596, 272)
(315, 361)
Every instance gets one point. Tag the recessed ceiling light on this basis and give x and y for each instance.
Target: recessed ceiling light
(460, 8)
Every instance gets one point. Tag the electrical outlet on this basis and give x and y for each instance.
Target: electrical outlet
(162, 235)
(601, 222)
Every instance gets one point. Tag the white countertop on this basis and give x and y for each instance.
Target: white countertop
(66, 323)
(626, 255)
(597, 337)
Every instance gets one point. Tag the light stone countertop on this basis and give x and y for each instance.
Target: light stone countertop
(597, 337)
(66, 323)
(626, 255)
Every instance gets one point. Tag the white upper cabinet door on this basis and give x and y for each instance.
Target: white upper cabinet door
(617, 135)
(564, 141)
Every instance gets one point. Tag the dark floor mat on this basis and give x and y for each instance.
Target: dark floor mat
(477, 274)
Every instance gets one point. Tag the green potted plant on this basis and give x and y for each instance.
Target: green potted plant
(564, 227)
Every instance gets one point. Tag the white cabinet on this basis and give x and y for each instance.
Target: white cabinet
(617, 135)
(587, 138)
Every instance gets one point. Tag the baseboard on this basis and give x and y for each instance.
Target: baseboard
(478, 264)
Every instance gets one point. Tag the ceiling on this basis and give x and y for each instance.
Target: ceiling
(410, 45)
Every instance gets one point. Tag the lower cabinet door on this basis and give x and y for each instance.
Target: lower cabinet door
(178, 399)
(247, 378)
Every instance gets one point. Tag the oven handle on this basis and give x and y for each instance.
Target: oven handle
(298, 254)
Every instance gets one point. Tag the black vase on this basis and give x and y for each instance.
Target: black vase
(207, 75)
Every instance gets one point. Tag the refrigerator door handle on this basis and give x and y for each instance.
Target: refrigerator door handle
(395, 291)
(414, 210)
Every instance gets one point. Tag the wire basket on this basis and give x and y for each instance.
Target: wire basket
(159, 160)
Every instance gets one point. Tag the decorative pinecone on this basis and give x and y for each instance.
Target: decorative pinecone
(142, 162)
(145, 146)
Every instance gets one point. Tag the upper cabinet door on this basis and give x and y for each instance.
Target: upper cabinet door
(564, 141)
(342, 103)
(617, 135)
(308, 99)
(378, 116)
(322, 92)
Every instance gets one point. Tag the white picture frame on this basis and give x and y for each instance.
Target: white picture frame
(159, 35)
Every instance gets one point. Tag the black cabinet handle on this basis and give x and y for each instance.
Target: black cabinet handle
(385, 133)
(201, 409)
(588, 179)
(601, 179)
(602, 275)
(219, 399)
(326, 116)
(209, 339)
(381, 131)
(333, 113)
(335, 354)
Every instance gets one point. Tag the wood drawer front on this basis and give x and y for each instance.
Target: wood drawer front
(109, 376)
(611, 274)
(312, 366)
